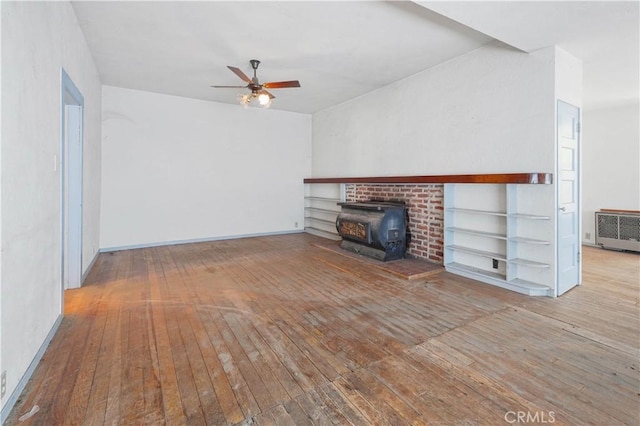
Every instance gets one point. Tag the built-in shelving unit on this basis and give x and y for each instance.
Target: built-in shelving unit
(321, 210)
(490, 237)
(498, 228)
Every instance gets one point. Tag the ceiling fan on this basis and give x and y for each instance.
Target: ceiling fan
(258, 92)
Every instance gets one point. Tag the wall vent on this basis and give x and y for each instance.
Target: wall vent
(618, 230)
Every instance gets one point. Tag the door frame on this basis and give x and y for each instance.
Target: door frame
(578, 194)
(70, 163)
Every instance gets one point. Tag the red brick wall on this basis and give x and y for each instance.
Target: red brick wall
(426, 211)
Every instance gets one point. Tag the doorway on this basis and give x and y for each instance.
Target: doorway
(71, 141)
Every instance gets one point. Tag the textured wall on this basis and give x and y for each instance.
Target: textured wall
(38, 38)
(425, 205)
(489, 111)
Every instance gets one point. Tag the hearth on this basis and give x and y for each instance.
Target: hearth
(376, 229)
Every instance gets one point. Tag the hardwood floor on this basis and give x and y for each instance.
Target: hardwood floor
(275, 330)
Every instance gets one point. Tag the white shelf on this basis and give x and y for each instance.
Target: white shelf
(518, 285)
(527, 262)
(324, 211)
(528, 241)
(469, 269)
(476, 232)
(527, 216)
(469, 250)
(332, 200)
(323, 221)
(534, 289)
(475, 211)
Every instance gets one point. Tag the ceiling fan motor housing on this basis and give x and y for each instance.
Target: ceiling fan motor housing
(255, 84)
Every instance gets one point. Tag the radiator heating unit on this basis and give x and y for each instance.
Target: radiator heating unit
(618, 229)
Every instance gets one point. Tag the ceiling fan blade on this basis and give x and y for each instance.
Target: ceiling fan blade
(281, 84)
(239, 73)
(230, 87)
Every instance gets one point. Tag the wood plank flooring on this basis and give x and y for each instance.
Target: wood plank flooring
(277, 331)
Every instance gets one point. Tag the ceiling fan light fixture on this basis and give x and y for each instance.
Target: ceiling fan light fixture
(255, 99)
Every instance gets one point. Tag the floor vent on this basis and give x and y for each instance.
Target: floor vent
(618, 230)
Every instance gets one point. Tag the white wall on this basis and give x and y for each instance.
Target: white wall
(37, 40)
(611, 162)
(177, 169)
(491, 110)
(568, 78)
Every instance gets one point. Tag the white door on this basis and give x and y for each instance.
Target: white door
(568, 137)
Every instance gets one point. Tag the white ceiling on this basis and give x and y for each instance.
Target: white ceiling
(603, 34)
(340, 50)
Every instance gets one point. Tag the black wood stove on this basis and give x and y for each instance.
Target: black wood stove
(376, 229)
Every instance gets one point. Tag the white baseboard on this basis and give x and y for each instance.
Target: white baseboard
(198, 240)
(27, 374)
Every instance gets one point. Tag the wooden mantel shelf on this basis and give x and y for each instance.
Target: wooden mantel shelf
(530, 178)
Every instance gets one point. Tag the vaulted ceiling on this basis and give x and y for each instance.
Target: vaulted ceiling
(340, 50)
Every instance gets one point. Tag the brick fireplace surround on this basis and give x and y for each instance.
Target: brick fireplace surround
(426, 211)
